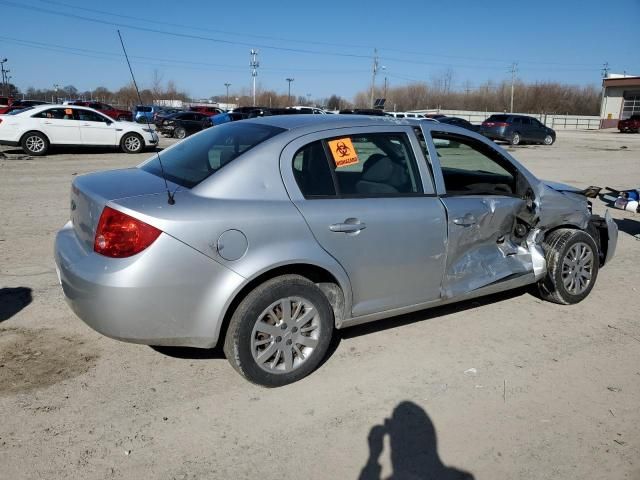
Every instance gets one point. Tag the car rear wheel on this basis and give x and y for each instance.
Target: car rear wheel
(515, 139)
(132, 143)
(35, 143)
(180, 133)
(280, 332)
(572, 266)
(548, 140)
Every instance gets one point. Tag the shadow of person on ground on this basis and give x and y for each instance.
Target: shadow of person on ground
(414, 449)
(12, 300)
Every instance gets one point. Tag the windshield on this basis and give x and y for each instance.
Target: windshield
(191, 161)
(141, 108)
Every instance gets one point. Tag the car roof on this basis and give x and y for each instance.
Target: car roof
(295, 122)
(46, 106)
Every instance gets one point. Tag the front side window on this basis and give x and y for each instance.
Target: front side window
(470, 167)
(89, 116)
(193, 160)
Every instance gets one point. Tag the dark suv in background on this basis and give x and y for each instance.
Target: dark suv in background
(517, 129)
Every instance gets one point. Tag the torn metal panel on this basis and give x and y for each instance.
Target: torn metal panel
(483, 247)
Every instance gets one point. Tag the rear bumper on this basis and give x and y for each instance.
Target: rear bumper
(497, 134)
(169, 294)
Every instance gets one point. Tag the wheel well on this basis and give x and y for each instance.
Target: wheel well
(34, 131)
(318, 275)
(595, 230)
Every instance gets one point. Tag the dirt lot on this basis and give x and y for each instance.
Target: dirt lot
(508, 387)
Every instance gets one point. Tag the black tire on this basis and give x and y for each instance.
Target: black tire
(548, 140)
(35, 143)
(557, 247)
(515, 139)
(238, 341)
(180, 133)
(132, 143)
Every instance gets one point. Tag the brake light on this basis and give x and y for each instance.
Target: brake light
(495, 124)
(119, 235)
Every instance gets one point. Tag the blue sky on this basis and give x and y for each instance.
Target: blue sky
(326, 46)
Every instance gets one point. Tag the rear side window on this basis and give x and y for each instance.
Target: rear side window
(369, 165)
(191, 161)
(312, 172)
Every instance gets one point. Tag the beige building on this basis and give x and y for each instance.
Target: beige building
(620, 99)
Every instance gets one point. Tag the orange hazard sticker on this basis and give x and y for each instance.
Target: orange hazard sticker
(343, 152)
(68, 111)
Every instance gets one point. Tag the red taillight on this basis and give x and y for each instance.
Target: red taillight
(495, 124)
(119, 235)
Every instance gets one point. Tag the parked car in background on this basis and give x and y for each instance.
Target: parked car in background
(459, 122)
(631, 124)
(182, 124)
(206, 109)
(113, 112)
(5, 101)
(20, 104)
(362, 111)
(38, 128)
(517, 129)
(145, 113)
(382, 217)
(164, 112)
(307, 110)
(404, 115)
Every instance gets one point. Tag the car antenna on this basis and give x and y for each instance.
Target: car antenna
(170, 196)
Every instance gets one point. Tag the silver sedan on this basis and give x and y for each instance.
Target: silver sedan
(266, 235)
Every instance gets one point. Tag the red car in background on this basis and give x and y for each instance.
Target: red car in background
(631, 124)
(206, 109)
(19, 105)
(113, 112)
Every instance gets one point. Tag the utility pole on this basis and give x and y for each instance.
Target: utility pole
(254, 71)
(374, 71)
(514, 69)
(605, 69)
(56, 86)
(2, 62)
(227, 85)
(289, 94)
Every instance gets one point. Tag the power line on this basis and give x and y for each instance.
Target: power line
(238, 43)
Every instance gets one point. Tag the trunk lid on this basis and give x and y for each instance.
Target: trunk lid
(90, 193)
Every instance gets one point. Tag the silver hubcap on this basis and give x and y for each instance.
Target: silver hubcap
(35, 144)
(285, 335)
(548, 140)
(132, 143)
(516, 139)
(181, 134)
(577, 268)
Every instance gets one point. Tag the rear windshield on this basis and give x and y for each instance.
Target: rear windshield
(191, 161)
(140, 108)
(16, 112)
(498, 118)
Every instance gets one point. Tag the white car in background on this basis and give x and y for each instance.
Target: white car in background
(36, 129)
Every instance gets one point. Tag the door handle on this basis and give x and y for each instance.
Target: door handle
(48, 123)
(465, 221)
(348, 227)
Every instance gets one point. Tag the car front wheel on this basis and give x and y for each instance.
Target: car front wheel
(180, 133)
(548, 140)
(572, 266)
(280, 332)
(132, 143)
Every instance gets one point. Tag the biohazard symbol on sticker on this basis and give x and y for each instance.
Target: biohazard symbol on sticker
(343, 152)
(68, 111)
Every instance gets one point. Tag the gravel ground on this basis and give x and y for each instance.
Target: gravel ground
(506, 386)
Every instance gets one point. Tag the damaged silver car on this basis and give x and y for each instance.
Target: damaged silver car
(266, 235)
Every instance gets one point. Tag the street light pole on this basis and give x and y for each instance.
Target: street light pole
(289, 94)
(227, 85)
(2, 62)
(56, 86)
